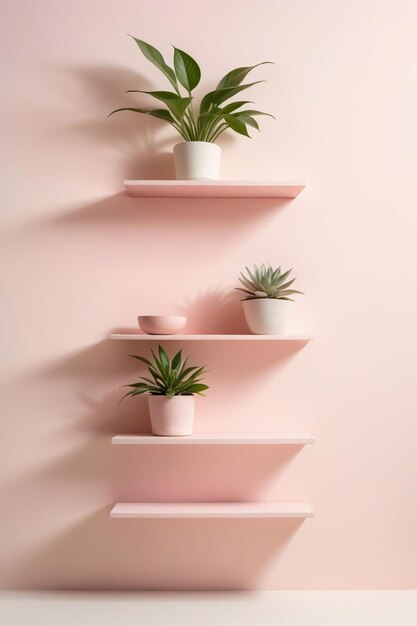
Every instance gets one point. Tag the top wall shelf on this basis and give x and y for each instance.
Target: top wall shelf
(212, 189)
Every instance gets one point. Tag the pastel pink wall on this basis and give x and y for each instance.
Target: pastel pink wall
(80, 258)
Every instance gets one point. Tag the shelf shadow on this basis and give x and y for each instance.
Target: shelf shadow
(178, 555)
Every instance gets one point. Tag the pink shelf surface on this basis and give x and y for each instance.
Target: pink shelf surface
(217, 439)
(244, 510)
(212, 189)
(144, 337)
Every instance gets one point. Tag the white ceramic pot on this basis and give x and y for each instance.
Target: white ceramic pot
(171, 417)
(197, 160)
(266, 316)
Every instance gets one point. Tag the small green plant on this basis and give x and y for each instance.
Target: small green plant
(266, 282)
(211, 120)
(169, 377)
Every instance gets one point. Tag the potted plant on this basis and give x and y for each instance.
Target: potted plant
(197, 157)
(267, 305)
(171, 390)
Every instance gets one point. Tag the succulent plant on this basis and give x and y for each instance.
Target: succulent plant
(169, 377)
(266, 282)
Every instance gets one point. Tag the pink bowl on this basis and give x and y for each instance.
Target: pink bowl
(161, 324)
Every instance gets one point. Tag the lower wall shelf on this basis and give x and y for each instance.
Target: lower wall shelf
(214, 510)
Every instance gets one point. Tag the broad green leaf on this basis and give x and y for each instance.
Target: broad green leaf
(154, 56)
(247, 119)
(186, 69)
(236, 76)
(252, 113)
(218, 96)
(229, 108)
(175, 103)
(236, 124)
(161, 114)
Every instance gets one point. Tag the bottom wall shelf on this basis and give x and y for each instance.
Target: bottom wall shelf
(220, 510)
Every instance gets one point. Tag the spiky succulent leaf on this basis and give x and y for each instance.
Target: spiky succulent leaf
(266, 282)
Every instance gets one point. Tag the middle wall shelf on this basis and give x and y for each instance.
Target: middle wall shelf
(144, 337)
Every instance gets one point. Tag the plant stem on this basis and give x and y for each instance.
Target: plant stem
(210, 127)
(218, 132)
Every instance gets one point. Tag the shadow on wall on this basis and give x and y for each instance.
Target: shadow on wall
(135, 138)
(95, 551)
(100, 553)
(86, 383)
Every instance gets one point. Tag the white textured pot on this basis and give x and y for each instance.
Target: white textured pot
(266, 316)
(171, 417)
(197, 160)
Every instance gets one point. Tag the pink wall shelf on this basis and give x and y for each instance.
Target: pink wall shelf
(247, 510)
(212, 189)
(143, 337)
(217, 439)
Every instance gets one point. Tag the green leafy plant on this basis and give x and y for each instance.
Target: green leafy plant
(168, 377)
(266, 282)
(212, 119)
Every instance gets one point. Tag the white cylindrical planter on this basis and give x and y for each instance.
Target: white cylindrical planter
(197, 160)
(266, 316)
(171, 417)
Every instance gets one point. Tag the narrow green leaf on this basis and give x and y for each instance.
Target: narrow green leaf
(140, 358)
(159, 366)
(153, 383)
(186, 69)
(176, 361)
(197, 388)
(163, 357)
